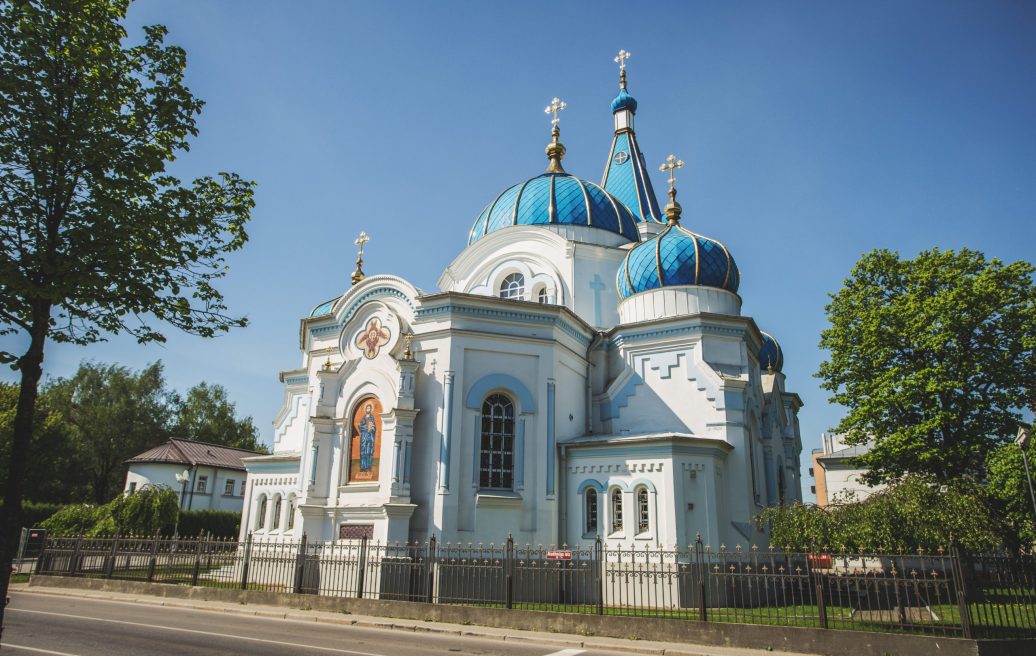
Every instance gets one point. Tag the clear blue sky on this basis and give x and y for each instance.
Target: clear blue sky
(812, 132)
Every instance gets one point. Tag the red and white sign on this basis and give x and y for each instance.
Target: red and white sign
(559, 554)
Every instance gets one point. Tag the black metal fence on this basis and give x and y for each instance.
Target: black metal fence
(947, 593)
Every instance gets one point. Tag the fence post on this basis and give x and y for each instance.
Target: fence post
(599, 573)
(509, 573)
(957, 561)
(819, 587)
(153, 560)
(430, 592)
(361, 575)
(109, 565)
(699, 570)
(42, 554)
(74, 559)
(300, 564)
(247, 560)
(197, 559)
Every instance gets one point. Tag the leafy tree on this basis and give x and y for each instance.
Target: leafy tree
(52, 474)
(97, 237)
(934, 359)
(1009, 489)
(912, 513)
(207, 415)
(114, 414)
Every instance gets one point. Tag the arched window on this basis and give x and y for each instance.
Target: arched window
(542, 296)
(260, 520)
(643, 512)
(291, 512)
(276, 513)
(513, 286)
(590, 513)
(496, 449)
(616, 510)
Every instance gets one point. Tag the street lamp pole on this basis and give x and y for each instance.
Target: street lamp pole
(182, 480)
(1023, 444)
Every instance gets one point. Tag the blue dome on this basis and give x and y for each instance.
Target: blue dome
(770, 354)
(555, 199)
(624, 101)
(677, 256)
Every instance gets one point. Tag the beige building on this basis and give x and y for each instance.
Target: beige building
(834, 475)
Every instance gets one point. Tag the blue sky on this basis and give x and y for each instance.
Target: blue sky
(812, 132)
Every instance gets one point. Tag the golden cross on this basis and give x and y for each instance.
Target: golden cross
(671, 164)
(554, 107)
(361, 240)
(621, 60)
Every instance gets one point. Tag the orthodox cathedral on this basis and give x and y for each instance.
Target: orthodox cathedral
(583, 371)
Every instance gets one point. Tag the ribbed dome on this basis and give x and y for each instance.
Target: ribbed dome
(624, 101)
(770, 353)
(677, 256)
(555, 199)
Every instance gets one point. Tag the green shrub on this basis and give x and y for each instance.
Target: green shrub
(74, 519)
(148, 511)
(217, 523)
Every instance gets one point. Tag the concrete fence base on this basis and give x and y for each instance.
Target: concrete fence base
(807, 640)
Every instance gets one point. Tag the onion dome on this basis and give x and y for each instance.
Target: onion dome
(555, 198)
(676, 256)
(624, 101)
(771, 357)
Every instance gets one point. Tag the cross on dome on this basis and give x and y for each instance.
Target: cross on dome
(554, 107)
(361, 240)
(620, 59)
(358, 275)
(672, 209)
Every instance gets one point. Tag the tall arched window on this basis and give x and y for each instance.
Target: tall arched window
(496, 449)
(643, 511)
(542, 296)
(616, 509)
(276, 523)
(291, 512)
(590, 512)
(513, 286)
(260, 520)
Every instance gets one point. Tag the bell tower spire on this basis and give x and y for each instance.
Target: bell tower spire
(625, 175)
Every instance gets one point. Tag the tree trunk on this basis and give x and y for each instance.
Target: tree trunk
(31, 366)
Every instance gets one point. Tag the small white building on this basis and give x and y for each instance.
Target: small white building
(215, 475)
(836, 477)
(583, 371)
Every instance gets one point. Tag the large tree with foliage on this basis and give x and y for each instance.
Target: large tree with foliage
(933, 357)
(97, 237)
(113, 414)
(206, 414)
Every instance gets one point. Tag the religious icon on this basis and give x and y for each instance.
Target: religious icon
(366, 441)
(372, 338)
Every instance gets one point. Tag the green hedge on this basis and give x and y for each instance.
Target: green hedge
(33, 514)
(217, 523)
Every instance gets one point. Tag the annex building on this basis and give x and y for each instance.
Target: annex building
(583, 371)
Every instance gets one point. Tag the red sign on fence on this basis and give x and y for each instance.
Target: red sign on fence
(559, 554)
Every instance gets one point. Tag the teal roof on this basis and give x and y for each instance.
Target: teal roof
(626, 178)
(677, 256)
(624, 101)
(324, 308)
(555, 199)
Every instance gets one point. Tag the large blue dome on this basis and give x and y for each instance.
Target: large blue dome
(770, 354)
(555, 199)
(677, 256)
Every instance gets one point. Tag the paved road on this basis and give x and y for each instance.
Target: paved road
(67, 626)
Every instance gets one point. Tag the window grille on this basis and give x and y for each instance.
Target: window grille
(260, 521)
(276, 512)
(496, 450)
(643, 514)
(591, 511)
(616, 508)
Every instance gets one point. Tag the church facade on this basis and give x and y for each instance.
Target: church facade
(583, 371)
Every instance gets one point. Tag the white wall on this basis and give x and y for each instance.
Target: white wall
(214, 496)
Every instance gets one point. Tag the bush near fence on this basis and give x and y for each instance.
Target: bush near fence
(214, 523)
(948, 593)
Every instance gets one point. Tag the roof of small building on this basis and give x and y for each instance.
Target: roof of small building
(190, 452)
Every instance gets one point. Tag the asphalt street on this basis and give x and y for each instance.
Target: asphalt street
(60, 626)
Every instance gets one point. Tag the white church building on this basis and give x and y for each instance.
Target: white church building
(583, 371)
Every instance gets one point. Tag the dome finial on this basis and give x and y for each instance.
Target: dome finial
(360, 241)
(555, 150)
(672, 209)
(620, 59)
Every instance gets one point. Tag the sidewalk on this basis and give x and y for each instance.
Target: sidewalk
(279, 613)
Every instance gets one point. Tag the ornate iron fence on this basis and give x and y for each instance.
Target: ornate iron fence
(947, 593)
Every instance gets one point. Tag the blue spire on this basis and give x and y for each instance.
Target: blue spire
(625, 175)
